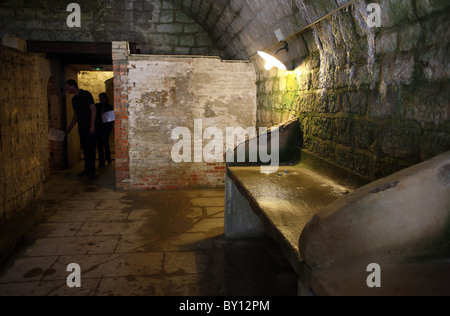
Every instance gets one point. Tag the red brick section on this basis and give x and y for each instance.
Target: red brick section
(182, 178)
(121, 125)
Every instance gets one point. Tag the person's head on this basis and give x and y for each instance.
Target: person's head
(103, 98)
(71, 86)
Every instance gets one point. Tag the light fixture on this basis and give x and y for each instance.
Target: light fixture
(278, 59)
(283, 60)
(271, 61)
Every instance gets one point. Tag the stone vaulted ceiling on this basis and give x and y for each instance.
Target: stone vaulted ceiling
(242, 27)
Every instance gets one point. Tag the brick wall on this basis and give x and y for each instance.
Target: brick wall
(160, 93)
(23, 142)
(120, 52)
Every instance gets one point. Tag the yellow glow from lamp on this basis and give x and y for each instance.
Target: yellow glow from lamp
(271, 61)
(298, 72)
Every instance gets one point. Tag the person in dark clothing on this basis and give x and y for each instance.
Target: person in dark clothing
(105, 125)
(84, 114)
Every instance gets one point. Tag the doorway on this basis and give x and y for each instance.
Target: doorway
(98, 81)
(73, 60)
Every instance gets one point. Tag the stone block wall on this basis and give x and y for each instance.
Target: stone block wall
(24, 156)
(94, 82)
(156, 26)
(57, 159)
(156, 94)
(373, 100)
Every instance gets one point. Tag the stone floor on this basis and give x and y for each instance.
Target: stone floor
(147, 243)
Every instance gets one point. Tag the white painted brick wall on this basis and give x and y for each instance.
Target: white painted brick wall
(169, 92)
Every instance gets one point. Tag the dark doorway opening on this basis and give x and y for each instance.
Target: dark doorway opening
(73, 60)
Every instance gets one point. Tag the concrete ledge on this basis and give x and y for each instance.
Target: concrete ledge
(240, 219)
(281, 204)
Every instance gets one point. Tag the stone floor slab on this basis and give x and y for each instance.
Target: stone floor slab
(72, 245)
(27, 269)
(88, 216)
(115, 265)
(139, 243)
(133, 286)
(110, 228)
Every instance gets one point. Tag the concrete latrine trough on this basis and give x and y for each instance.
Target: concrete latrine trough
(332, 225)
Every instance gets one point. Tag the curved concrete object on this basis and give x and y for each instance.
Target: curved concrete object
(403, 217)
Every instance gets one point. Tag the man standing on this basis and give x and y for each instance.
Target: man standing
(85, 114)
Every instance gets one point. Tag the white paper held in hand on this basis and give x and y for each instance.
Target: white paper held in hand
(56, 135)
(108, 117)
